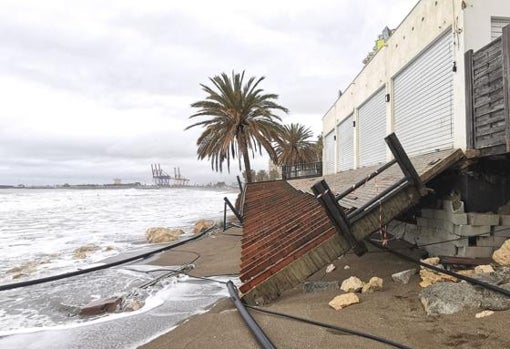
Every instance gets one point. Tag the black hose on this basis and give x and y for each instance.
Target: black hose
(99, 267)
(444, 271)
(254, 327)
(332, 327)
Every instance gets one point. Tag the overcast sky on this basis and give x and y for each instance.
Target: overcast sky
(96, 90)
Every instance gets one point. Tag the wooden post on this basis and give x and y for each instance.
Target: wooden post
(403, 161)
(505, 46)
(337, 216)
(468, 76)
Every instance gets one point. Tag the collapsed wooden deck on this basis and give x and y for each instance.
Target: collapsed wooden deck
(288, 235)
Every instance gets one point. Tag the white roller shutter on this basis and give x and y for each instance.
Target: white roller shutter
(345, 141)
(372, 130)
(329, 153)
(423, 100)
(497, 24)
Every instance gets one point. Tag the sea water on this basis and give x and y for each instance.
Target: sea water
(40, 230)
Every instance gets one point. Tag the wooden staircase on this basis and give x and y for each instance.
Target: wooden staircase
(290, 234)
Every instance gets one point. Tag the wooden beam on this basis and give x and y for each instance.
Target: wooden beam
(505, 46)
(468, 76)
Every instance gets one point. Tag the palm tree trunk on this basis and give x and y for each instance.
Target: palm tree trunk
(246, 157)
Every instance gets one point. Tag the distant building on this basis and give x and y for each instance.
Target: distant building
(117, 181)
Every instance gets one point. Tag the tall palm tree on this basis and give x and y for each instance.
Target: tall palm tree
(240, 120)
(295, 147)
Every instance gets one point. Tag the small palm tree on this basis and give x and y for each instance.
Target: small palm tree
(295, 147)
(240, 120)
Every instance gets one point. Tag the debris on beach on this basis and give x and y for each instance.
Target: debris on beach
(343, 300)
(374, 284)
(404, 276)
(330, 268)
(429, 277)
(26, 269)
(83, 251)
(502, 255)
(352, 284)
(318, 286)
(202, 225)
(159, 235)
(484, 313)
(100, 306)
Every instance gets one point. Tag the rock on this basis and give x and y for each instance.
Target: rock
(160, 235)
(502, 255)
(352, 284)
(431, 261)
(484, 313)
(491, 300)
(429, 277)
(347, 267)
(374, 284)
(480, 269)
(344, 300)
(449, 298)
(318, 286)
(133, 305)
(100, 306)
(202, 225)
(83, 251)
(466, 272)
(403, 277)
(330, 268)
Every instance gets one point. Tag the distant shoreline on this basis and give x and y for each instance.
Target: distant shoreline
(118, 186)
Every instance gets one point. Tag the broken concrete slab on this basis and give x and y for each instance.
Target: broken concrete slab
(482, 219)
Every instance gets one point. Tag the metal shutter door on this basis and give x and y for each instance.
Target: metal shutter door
(345, 141)
(423, 98)
(372, 130)
(329, 152)
(497, 24)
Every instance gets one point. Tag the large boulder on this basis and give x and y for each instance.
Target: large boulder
(100, 306)
(449, 298)
(201, 225)
(161, 235)
(502, 255)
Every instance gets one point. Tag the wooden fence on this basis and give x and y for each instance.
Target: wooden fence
(488, 97)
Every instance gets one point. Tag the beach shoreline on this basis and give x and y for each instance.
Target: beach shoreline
(395, 313)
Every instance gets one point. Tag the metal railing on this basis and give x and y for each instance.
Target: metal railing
(238, 214)
(344, 221)
(311, 169)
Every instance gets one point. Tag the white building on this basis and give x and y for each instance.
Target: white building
(414, 86)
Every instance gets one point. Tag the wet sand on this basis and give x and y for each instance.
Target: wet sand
(394, 313)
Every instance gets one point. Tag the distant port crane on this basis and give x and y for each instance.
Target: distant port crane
(163, 179)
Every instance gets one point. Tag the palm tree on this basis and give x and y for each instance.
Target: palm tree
(241, 120)
(295, 146)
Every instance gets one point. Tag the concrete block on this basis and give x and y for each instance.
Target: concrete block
(423, 222)
(429, 213)
(455, 218)
(483, 219)
(453, 206)
(475, 252)
(501, 230)
(504, 219)
(445, 249)
(490, 241)
(472, 230)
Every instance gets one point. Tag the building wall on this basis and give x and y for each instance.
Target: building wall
(469, 23)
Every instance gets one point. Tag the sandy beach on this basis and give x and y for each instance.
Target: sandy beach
(394, 313)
